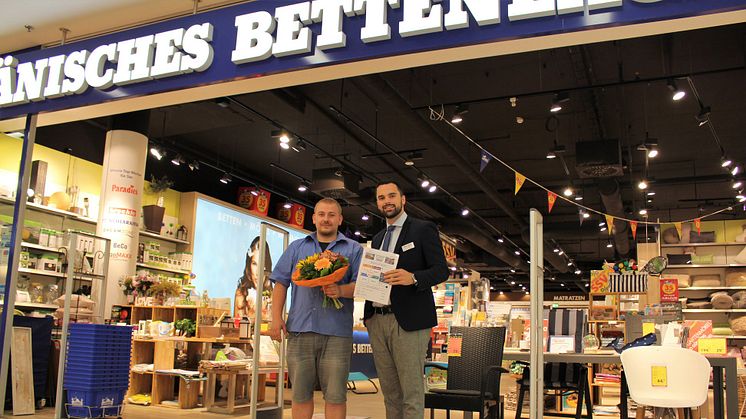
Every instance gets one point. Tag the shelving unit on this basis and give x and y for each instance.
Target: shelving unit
(164, 238)
(158, 268)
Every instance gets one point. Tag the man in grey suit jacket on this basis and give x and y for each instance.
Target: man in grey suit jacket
(400, 331)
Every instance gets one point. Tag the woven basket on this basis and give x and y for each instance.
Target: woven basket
(332, 278)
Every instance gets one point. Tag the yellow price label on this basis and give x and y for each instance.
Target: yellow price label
(648, 328)
(712, 346)
(264, 327)
(659, 376)
(480, 316)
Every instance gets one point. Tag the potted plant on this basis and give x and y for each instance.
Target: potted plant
(153, 214)
(164, 290)
(128, 288)
(186, 327)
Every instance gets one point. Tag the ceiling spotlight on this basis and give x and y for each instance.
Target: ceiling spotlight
(736, 170)
(365, 217)
(649, 200)
(603, 228)
(501, 293)
(586, 215)
(466, 275)
(578, 272)
(609, 245)
(517, 252)
(741, 198)
(284, 138)
(453, 268)
(285, 146)
(642, 184)
(736, 184)
(287, 205)
(408, 162)
(512, 282)
(677, 94)
(557, 100)
(255, 192)
(519, 119)
(501, 240)
(225, 179)
(578, 198)
(465, 212)
(643, 211)
(569, 263)
(425, 183)
(653, 151)
(176, 161)
(157, 152)
(561, 252)
(724, 161)
(194, 165)
(651, 193)
(567, 192)
(562, 284)
(302, 187)
(432, 188)
(357, 232)
(458, 115)
(602, 223)
(556, 250)
(526, 292)
(703, 117)
(551, 155)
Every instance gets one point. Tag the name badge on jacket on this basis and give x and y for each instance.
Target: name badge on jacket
(408, 246)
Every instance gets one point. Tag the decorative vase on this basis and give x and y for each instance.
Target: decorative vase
(130, 299)
(153, 218)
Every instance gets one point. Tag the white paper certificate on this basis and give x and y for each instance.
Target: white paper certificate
(370, 285)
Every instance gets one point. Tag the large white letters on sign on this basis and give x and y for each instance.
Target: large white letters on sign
(420, 17)
(528, 9)
(292, 36)
(376, 23)
(329, 13)
(484, 12)
(253, 37)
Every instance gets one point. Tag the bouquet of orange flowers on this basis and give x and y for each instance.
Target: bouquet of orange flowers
(321, 269)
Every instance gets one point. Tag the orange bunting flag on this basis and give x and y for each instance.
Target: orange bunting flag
(698, 224)
(519, 179)
(609, 223)
(633, 226)
(678, 228)
(551, 198)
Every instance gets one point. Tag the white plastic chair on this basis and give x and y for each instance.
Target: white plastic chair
(687, 376)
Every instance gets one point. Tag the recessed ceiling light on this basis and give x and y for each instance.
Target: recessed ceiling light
(643, 212)
(642, 185)
(567, 192)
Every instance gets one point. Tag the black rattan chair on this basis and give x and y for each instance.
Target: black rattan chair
(567, 378)
(473, 383)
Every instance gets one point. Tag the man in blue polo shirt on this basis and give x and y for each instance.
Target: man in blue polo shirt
(319, 338)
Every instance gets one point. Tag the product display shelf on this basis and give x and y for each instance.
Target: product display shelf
(729, 265)
(711, 289)
(702, 244)
(713, 310)
(41, 272)
(201, 315)
(159, 268)
(40, 247)
(51, 210)
(160, 237)
(20, 305)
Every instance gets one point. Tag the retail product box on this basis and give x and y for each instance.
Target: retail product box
(697, 329)
(258, 203)
(208, 331)
(49, 262)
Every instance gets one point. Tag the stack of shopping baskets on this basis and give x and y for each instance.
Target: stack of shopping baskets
(97, 370)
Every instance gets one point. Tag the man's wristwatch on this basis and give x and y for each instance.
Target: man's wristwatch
(414, 280)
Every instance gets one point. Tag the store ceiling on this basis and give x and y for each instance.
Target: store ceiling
(617, 90)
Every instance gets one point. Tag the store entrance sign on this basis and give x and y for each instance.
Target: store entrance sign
(267, 37)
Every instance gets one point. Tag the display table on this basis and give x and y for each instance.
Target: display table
(233, 402)
(719, 365)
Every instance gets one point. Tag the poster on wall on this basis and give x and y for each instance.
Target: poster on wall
(225, 260)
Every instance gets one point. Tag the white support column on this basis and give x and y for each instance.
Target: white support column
(536, 393)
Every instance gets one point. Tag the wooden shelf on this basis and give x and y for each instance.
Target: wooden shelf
(731, 265)
(164, 238)
(713, 310)
(50, 210)
(710, 288)
(606, 384)
(36, 305)
(702, 244)
(158, 268)
(41, 272)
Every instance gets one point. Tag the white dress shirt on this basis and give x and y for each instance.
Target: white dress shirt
(399, 223)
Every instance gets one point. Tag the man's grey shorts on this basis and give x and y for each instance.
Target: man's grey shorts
(311, 355)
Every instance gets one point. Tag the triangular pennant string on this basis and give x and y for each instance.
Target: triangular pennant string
(551, 199)
(519, 179)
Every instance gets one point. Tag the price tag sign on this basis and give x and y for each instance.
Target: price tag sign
(648, 328)
(659, 376)
(454, 345)
(712, 346)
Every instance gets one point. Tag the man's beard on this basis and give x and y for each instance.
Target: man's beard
(397, 211)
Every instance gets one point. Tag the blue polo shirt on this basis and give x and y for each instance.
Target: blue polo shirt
(306, 313)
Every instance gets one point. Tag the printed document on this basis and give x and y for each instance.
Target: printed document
(370, 285)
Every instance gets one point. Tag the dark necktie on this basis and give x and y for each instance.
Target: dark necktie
(387, 238)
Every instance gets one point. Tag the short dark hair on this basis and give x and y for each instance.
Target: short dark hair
(387, 182)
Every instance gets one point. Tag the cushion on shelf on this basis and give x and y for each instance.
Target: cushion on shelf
(724, 330)
(739, 299)
(735, 278)
(721, 300)
(738, 324)
(685, 281)
(698, 304)
(701, 259)
(706, 281)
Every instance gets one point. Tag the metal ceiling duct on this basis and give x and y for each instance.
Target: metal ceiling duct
(472, 233)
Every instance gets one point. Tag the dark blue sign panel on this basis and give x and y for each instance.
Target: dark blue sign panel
(268, 37)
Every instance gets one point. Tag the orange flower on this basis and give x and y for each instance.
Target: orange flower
(322, 264)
